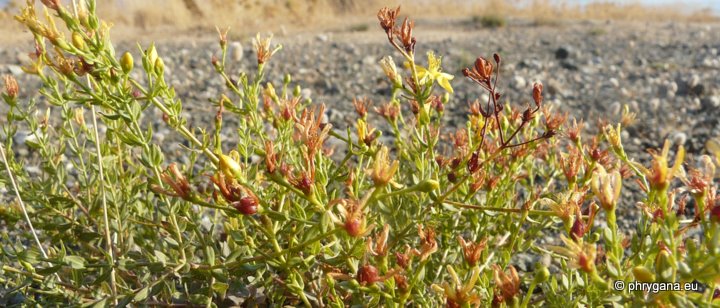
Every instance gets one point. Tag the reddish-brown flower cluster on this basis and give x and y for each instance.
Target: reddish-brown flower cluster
(508, 285)
(388, 111)
(398, 36)
(178, 183)
(472, 251)
(239, 197)
(361, 106)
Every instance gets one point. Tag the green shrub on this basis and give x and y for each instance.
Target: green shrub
(391, 225)
(490, 20)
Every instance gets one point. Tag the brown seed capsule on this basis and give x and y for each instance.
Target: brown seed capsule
(537, 94)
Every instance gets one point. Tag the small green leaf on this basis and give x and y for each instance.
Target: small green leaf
(142, 294)
(75, 262)
(161, 257)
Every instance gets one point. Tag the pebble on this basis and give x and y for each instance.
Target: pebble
(236, 51)
(15, 70)
(562, 53)
(678, 138)
(519, 82)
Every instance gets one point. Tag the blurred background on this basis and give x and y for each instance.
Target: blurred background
(158, 17)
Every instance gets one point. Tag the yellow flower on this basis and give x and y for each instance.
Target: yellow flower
(433, 72)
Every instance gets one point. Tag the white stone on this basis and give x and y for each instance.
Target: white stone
(236, 51)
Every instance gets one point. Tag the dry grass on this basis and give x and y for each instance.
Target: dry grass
(158, 18)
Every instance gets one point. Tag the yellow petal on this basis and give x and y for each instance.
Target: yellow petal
(445, 83)
(421, 71)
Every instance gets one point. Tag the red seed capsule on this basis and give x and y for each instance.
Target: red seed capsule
(247, 205)
(368, 274)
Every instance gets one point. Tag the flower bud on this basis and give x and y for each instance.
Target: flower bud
(229, 167)
(424, 117)
(287, 79)
(159, 66)
(664, 264)
(427, 186)
(126, 62)
(542, 273)
(643, 274)
(78, 41)
(151, 55)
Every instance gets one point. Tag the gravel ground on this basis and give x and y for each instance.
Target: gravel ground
(668, 73)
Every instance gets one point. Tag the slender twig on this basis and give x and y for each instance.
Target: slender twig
(103, 194)
(22, 204)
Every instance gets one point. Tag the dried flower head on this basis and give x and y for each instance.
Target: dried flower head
(389, 111)
(263, 49)
(312, 132)
(271, 158)
(388, 66)
(473, 164)
(428, 245)
(472, 251)
(361, 106)
(606, 186)
(387, 17)
(571, 163)
(660, 174)
(368, 274)
(366, 134)
(508, 284)
(177, 182)
(627, 118)
(383, 170)
(222, 36)
(574, 132)
(481, 72)
(537, 93)
(457, 293)
(405, 33)
(582, 255)
(378, 247)
(11, 87)
(353, 213)
(229, 188)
